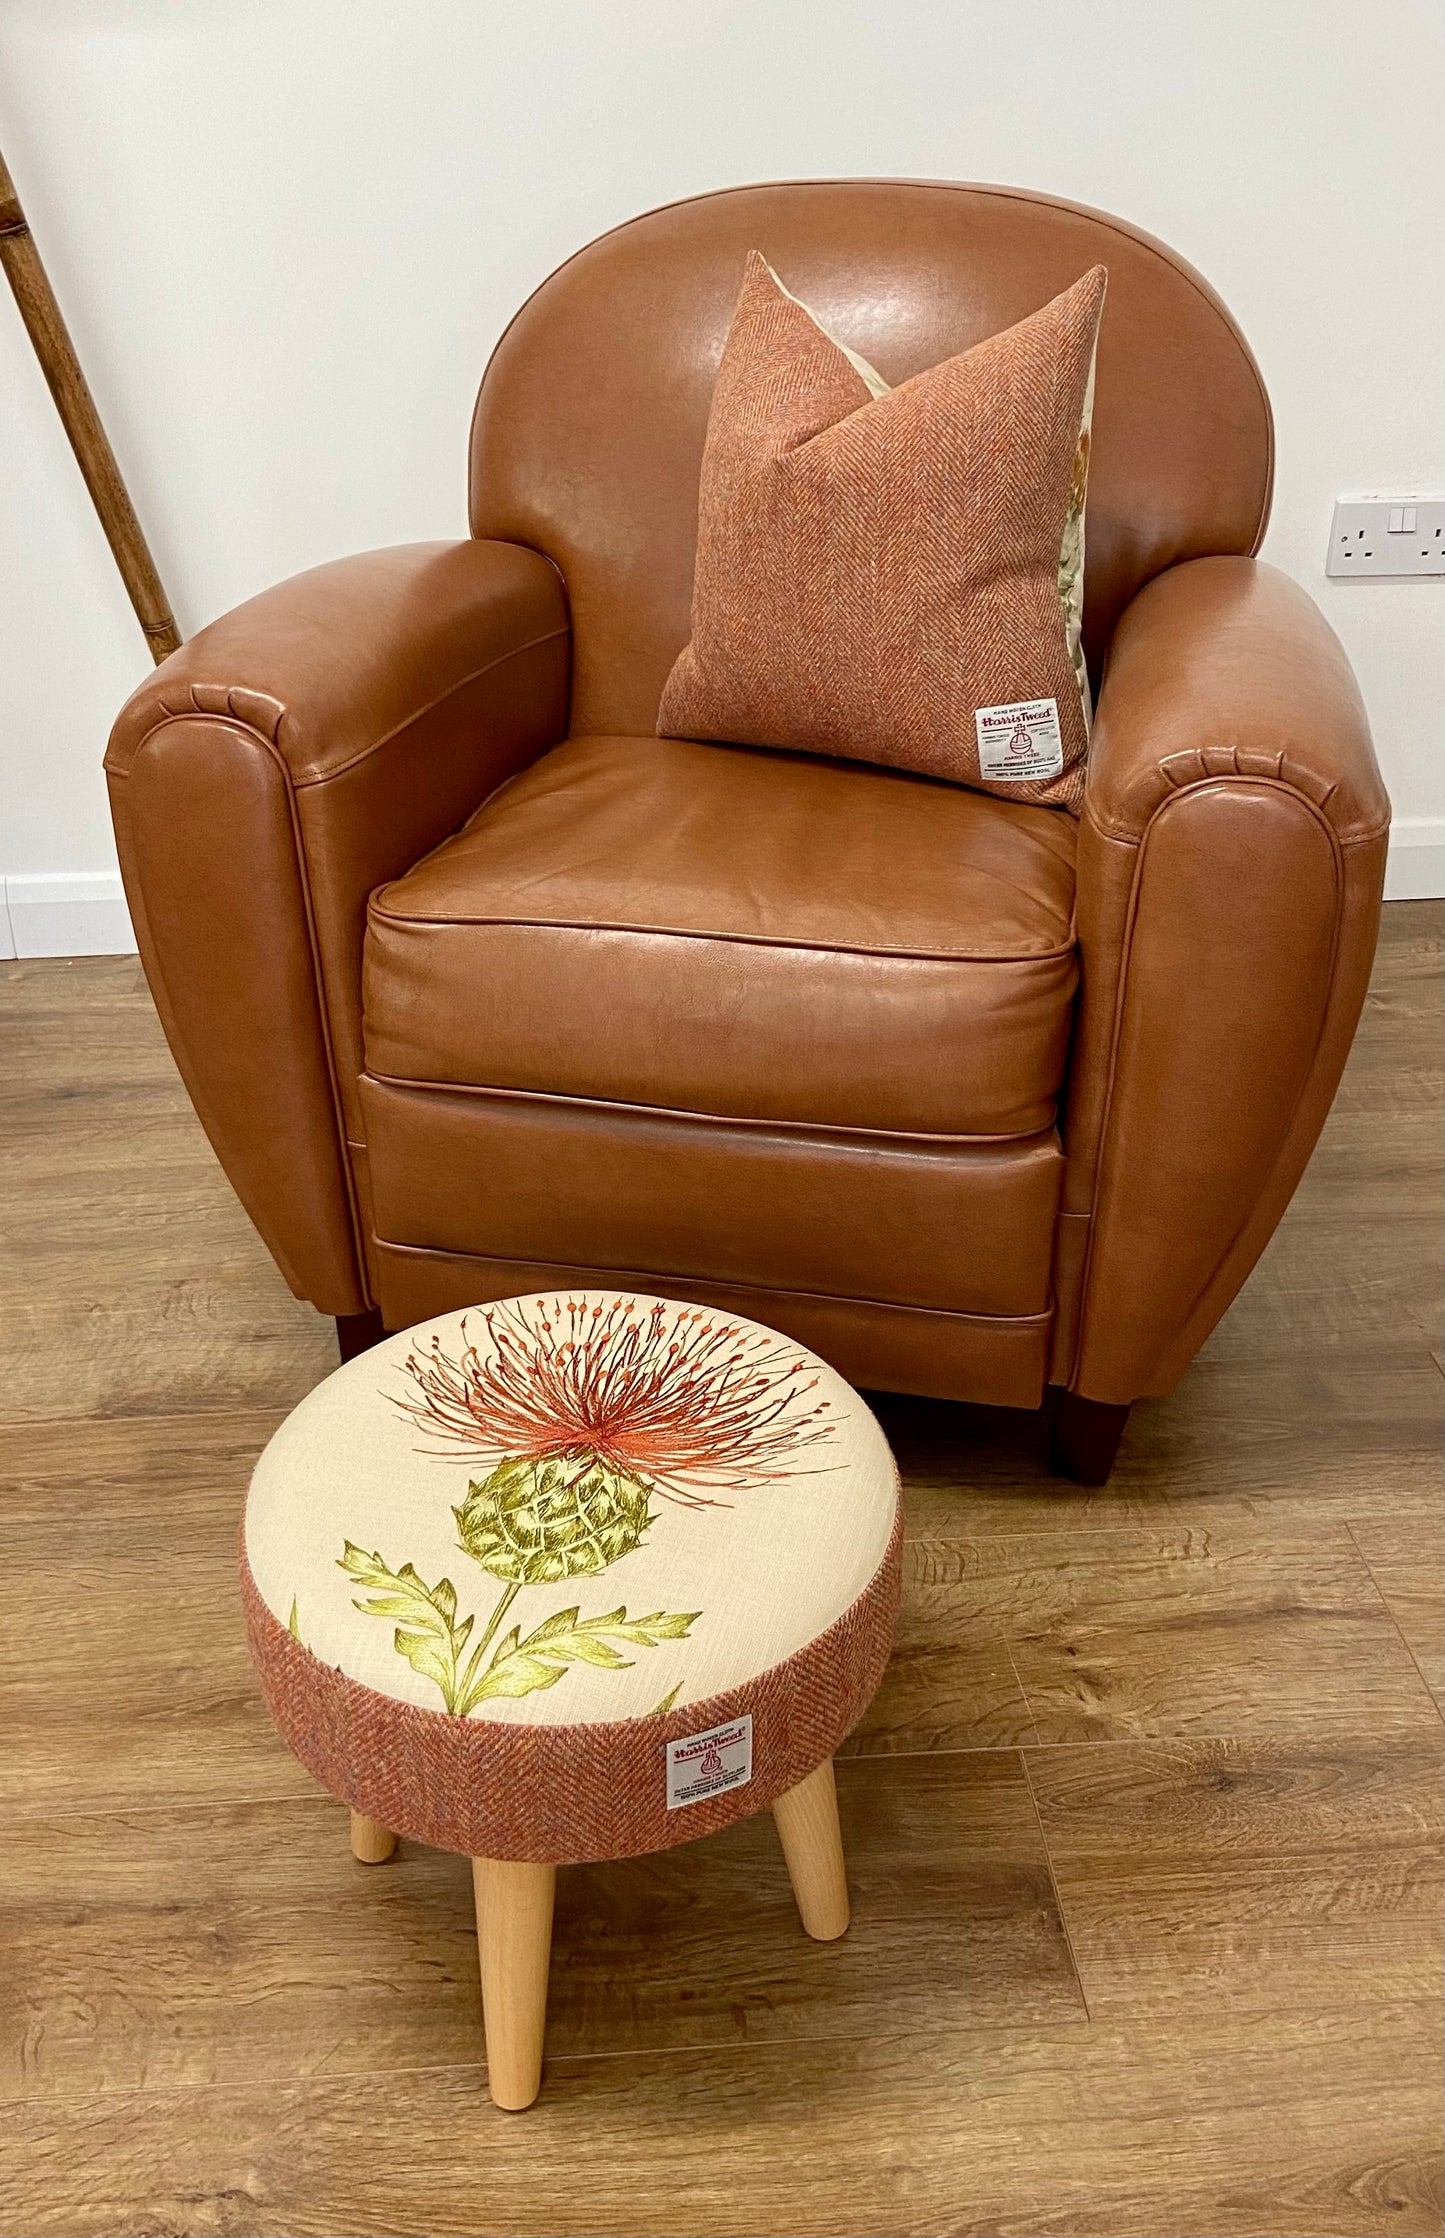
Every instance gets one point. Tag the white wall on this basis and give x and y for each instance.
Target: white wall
(286, 232)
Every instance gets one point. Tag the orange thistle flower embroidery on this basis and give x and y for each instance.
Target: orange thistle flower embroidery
(691, 1404)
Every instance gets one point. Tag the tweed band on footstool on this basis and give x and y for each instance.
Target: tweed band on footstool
(498, 1568)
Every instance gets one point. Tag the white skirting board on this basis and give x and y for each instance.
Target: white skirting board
(62, 913)
(1416, 869)
(65, 913)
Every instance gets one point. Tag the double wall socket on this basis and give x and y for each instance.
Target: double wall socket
(1387, 532)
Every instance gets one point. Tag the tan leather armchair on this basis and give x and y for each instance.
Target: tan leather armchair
(481, 988)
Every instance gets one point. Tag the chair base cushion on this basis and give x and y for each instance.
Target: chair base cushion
(737, 933)
(983, 1359)
(966, 1227)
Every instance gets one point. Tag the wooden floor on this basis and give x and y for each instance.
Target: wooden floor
(1144, 1828)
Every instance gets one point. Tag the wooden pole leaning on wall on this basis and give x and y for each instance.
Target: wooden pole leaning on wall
(31, 288)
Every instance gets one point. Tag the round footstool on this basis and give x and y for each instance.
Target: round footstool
(572, 1577)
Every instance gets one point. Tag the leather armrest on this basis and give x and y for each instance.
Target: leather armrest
(1224, 667)
(1231, 863)
(286, 761)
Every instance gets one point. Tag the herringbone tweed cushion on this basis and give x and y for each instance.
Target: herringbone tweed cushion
(895, 574)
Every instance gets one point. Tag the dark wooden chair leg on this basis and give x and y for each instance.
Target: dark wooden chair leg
(1086, 1437)
(358, 1332)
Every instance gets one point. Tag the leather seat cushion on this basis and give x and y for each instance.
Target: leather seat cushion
(741, 933)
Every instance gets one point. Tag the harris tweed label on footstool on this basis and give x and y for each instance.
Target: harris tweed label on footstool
(702, 1765)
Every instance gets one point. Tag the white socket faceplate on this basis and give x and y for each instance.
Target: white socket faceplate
(1387, 533)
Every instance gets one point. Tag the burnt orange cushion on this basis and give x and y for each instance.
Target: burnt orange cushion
(884, 573)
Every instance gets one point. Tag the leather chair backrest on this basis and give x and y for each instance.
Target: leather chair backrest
(589, 427)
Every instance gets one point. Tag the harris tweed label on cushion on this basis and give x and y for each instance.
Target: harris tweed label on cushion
(875, 566)
(1019, 742)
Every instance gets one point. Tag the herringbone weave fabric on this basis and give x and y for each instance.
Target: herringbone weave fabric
(568, 1794)
(872, 570)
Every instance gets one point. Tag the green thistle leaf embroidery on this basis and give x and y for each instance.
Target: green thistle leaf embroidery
(660, 1709)
(433, 1642)
(427, 1631)
(524, 1666)
(293, 1621)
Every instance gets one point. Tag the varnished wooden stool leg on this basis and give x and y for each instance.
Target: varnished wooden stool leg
(370, 1844)
(514, 1945)
(807, 1822)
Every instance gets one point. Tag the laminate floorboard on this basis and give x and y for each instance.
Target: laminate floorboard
(1321, 2125)
(125, 1468)
(1406, 1554)
(1143, 1827)
(1248, 1876)
(241, 1942)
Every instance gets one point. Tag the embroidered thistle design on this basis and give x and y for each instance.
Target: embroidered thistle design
(585, 1411)
(536, 1521)
(690, 1404)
